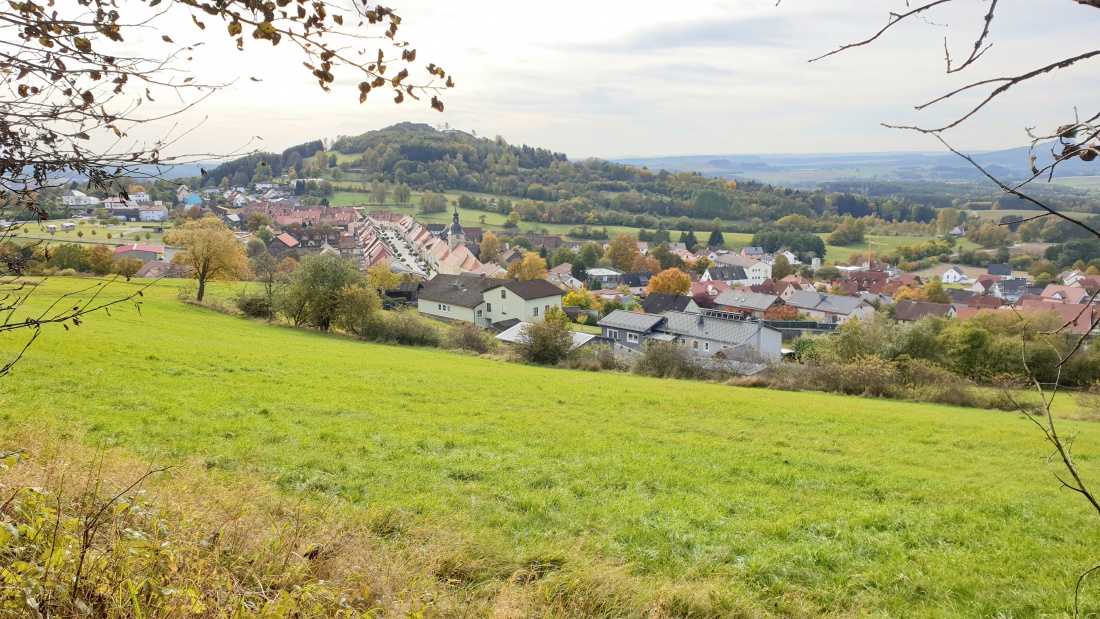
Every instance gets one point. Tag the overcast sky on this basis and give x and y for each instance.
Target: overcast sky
(639, 78)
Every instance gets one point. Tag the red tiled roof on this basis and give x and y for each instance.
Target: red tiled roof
(156, 249)
(287, 240)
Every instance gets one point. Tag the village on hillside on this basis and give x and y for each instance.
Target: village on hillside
(727, 306)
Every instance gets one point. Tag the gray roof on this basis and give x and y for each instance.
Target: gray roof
(710, 327)
(736, 260)
(631, 321)
(727, 272)
(821, 302)
(1004, 270)
(756, 301)
(463, 291)
(659, 302)
(532, 288)
(959, 296)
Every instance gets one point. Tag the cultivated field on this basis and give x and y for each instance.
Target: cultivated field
(763, 503)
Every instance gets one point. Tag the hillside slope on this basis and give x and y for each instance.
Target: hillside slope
(850, 506)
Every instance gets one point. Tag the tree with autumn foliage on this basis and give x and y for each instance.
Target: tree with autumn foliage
(644, 264)
(622, 251)
(934, 292)
(210, 249)
(912, 294)
(781, 312)
(670, 281)
(532, 266)
(490, 247)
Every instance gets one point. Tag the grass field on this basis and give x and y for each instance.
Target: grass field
(495, 222)
(1078, 182)
(773, 500)
(37, 231)
(996, 216)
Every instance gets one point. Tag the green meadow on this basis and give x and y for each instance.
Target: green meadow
(773, 500)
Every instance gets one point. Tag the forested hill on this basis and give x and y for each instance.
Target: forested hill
(547, 186)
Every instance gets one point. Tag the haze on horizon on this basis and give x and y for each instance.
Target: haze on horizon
(617, 80)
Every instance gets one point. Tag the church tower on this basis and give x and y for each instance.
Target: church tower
(455, 235)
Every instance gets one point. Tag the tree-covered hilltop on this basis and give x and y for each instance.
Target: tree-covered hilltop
(546, 186)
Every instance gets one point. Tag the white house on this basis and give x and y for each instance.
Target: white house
(830, 308)
(483, 301)
(755, 270)
(140, 197)
(153, 212)
(77, 198)
(953, 275)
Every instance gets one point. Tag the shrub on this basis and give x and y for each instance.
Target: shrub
(669, 360)
(549, 341)
(67, 272)
(592, 359)
(254, 305)
(467, 336)
(405, 328)
(865, 375)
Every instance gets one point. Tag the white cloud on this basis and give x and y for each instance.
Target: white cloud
(645, 78)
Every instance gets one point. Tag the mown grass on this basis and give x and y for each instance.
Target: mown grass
(37, 231)
(756, 503)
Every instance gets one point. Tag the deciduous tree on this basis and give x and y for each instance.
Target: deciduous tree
(670, 281)
(381, 278)
(315, 294)
(621, 252)
(781, 267)
(532, 266)
(490, 247)
(210, 249)
(644, 264)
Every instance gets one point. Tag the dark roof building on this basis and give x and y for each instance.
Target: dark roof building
(959, 296)
(1003, 270)
(912, 311)
(530, 289)
(660, 303)
(460, 290)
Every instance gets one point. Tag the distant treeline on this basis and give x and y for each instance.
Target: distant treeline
(545, 186)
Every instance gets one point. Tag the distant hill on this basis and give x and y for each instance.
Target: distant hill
(809, 170)
(671, 192)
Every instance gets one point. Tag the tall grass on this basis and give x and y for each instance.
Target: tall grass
(455, 485)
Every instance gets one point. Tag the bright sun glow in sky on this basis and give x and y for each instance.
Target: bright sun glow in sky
(641, 78)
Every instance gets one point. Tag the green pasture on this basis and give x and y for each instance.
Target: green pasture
(883, 243)
(35, 231)
(856, 507)
(997, 215)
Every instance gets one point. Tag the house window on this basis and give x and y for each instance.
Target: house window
(632, 337)
(535, 311)
(613, 334)
(489, 307)
(479, 313)
(706, 345)
(695, 344)
(545, 310)
(445, 308)
(503, 294)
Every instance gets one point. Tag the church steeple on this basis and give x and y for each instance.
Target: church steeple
(455, 235)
